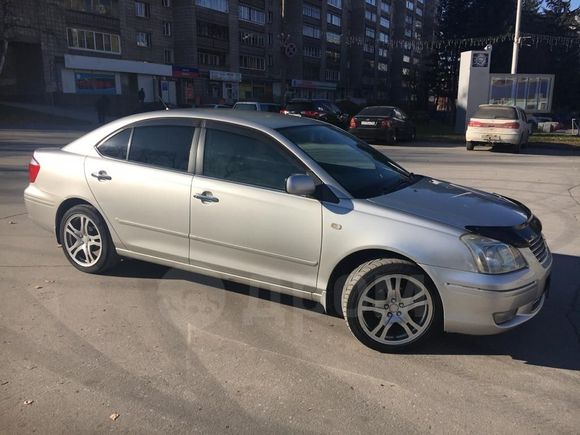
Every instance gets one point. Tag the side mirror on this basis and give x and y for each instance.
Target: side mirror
(300, 184)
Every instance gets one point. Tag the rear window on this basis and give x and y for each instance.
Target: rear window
(490, 112)
(299, 106)
(246, 107)
(377, 111)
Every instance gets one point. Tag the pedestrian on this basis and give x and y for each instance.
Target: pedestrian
(102, 106)
(141, 96)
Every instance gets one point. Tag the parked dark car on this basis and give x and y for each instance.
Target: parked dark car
(323, 110)
(382, 123)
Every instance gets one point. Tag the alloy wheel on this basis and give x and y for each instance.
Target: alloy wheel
(82, 240)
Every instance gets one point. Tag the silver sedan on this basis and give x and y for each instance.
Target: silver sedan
(299, 207)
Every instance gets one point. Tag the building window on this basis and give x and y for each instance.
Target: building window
(80, 39)
(371, 2)
(419, 12)
(407, 59)
(143, 39)
(99, 7)
(252, 62)
(384, 22)
(370, 32)
(270, 60)
(410, 5)
(335, 20)
(142, 9)
(333, 38)
(216, 5)
(166, 28)
(252, 15)
(333, 56)
(213, 31)
(211, 59)
(311, 31)
(381, 66)
(168, 55)
(310, 51)
(336, 3)
(383, 52)
(369, 48)
(166, 3)
(332, 76)
(406, 71)
(385, 7)
(311, 11)
(252, 39)
(383, 37)
(371, 16)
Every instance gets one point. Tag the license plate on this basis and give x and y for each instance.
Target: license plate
(493, 138)
(368, 123)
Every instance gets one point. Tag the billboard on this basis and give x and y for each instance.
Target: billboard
(95, 83)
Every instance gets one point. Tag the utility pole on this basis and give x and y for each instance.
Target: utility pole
(517, 38)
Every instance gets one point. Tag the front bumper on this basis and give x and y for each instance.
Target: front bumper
(479, 304)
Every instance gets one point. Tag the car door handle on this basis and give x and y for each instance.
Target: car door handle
(101, 176)
(206, 197)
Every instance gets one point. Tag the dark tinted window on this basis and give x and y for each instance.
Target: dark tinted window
(247, 158)
(246, 107)
(270, 108)
(327, 106)
(360, 169)
(299, 106)
(116, 146)
(377, 111)
(163, 145)
(497, 112)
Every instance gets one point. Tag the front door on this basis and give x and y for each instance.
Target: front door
(242, 220)
(146, 197)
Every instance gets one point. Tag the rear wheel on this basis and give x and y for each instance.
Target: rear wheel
(469, 145)
(518, 146)
(413, 135)
(393, 137)
(86, 241)
(391, 305)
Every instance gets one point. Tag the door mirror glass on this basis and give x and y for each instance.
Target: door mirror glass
(300, 184)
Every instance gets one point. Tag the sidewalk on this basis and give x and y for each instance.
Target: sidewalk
(77, 114)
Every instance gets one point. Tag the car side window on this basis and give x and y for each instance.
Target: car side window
(116, 146)
(247, 158)
(166, 146)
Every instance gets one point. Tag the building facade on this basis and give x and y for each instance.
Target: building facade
(193, 52)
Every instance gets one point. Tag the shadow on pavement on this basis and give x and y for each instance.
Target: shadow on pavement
(552, 339)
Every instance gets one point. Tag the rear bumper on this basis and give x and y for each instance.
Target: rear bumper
(492, 137)
(370, 133)
(479, 304)
(41, 207)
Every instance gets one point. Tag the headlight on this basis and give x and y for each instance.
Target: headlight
(492, 256)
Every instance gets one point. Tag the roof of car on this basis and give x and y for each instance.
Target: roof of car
(257, 120)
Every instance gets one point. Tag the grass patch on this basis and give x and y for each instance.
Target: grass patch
(551, 139)
(438, 132)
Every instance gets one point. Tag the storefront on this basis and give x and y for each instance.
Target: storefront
(224, 86)
(185, 77)
(313, 89)
(84, 76)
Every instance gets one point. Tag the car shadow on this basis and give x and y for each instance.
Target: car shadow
(551, 339)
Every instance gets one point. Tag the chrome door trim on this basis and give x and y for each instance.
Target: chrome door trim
(255, 251)
(151, 228)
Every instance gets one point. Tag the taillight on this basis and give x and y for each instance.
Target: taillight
(474, 124)
(310, 113)
(353, 123)
(284, 112)
(514, 125)
(33, 170)
(386, 123)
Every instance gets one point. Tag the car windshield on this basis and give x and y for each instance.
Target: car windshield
(360, 169)
(377, 111)
(490, 112)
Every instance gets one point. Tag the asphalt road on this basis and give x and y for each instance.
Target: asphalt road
(175, 352)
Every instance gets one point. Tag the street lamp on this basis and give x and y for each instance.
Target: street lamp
(517, 38)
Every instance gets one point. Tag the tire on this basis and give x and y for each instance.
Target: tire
(86, 241)
(384, 325)
(518, 147)
(413, 135)
(469, 145)
(393, 138)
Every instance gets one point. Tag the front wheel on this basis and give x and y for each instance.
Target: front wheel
(390, 305)
(469, 145)
(86, 241)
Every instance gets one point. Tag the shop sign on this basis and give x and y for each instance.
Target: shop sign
(225, 76)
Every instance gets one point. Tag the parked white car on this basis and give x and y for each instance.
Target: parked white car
(498, 125)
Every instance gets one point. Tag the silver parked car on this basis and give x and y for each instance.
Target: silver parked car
(300, 207)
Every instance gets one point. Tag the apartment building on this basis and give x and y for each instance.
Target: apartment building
(192, 52)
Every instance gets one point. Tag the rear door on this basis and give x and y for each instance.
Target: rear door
(143, 187)
(242, 220)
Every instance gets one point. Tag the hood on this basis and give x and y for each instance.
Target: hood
(454, 205)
